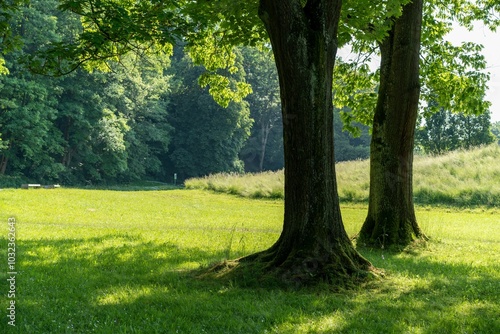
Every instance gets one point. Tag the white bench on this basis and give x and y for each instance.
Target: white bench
(30, 185)
(36, 186)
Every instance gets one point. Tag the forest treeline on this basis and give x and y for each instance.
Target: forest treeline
(148, 118)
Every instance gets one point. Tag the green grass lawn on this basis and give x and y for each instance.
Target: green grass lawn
(97, 261)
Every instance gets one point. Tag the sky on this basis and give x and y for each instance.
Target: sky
(491, 42)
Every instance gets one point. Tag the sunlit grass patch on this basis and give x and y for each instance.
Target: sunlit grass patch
(127, 267)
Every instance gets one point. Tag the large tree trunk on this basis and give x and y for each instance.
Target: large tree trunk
(313, 245)
(391, 216)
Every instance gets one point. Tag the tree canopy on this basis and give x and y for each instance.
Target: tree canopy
(453, 76)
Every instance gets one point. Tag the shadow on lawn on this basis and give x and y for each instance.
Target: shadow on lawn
(124, 284)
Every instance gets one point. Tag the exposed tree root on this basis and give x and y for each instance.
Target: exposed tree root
(300, 270)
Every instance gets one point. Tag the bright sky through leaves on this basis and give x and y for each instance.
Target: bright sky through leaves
(481, 35)
(491, 42)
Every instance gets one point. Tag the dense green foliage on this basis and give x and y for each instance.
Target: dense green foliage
(122, 261)
(444, 131)
(264, 148)
(84, 127)
(453, 76)
(119, 122)
(102, 126)
(9, 41)
(351, 142)
(207, 137)
(144, 118)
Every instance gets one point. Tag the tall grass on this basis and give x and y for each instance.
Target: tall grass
(258, 185)
(460, 178)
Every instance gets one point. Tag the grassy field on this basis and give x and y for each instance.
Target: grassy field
(460, 178)
(97, 261)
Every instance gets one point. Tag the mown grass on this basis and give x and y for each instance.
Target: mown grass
(95, 261)
(461, 178)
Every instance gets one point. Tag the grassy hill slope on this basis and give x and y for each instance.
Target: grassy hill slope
(460, 178)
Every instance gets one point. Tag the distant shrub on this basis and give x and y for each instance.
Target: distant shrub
(277, 193)
(11, 181)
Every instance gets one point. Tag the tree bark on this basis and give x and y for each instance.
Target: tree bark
(3, 164)
(313, 244)
(265, 129)
(391, 216)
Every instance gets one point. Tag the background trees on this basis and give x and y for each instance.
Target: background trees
(444, 131)
(207, 137)
(264, 149)
(27, 102)
(349, 146)
(9, 41)
(136, 119)
(112, 125)
(83, 127)
(495, 130)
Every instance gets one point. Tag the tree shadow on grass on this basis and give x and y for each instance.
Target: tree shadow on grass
(125, 284)
(64, 284)
(427, 296)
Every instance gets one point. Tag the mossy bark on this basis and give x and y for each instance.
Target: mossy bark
(391, 216)
(313, 245)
